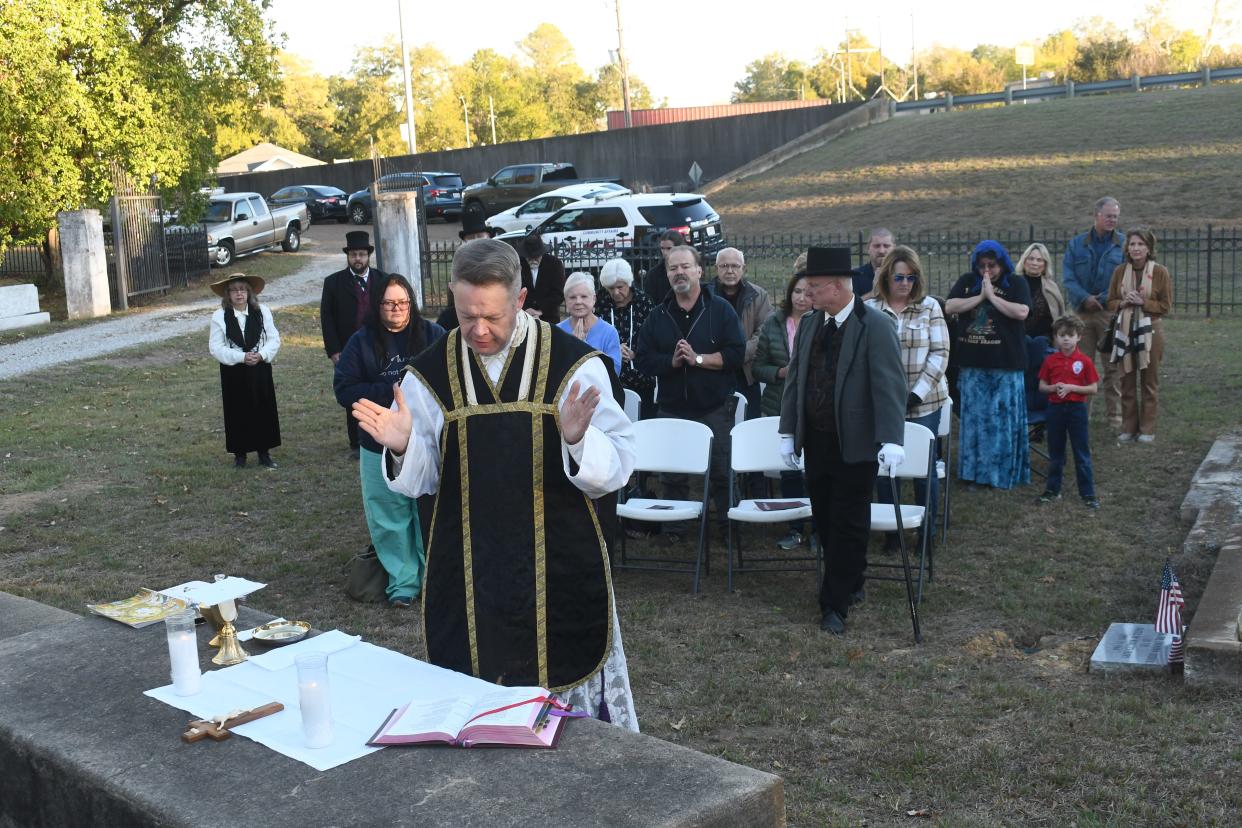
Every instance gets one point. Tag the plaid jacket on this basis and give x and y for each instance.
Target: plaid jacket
(924, 339)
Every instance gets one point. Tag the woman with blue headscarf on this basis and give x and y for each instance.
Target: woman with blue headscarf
(991, 304)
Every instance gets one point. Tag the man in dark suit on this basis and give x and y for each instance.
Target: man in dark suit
(344, 303)
(543, 277)
(879, 245)
(845, 410)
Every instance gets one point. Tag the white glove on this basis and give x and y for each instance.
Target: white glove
(788, 455)
(890, 457)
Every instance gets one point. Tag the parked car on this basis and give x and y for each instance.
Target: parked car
(511, 186)
(321, 202)
(441, 194)
(241, 223)
(530, 215)
(588, 233)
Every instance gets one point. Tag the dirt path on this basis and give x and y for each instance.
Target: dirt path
(36, 354)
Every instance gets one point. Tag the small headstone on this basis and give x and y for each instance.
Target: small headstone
(19, 307)
(1131, 648)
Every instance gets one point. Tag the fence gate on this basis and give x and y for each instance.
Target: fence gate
(139, 261)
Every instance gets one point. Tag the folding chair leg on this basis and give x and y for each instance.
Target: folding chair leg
(698, 557)
(729, 540)
(905, 562)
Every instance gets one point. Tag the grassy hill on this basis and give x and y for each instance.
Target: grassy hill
(1173, 158)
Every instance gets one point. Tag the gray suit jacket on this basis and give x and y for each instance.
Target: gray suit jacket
(870, 397)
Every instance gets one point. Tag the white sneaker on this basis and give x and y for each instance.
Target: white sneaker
(1125, 438)
(1147, 438)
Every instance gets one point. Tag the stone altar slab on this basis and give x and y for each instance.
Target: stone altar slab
(1128, 648)
(81, 745)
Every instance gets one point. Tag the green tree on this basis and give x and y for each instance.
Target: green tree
(944, 69)
(772, 78)
(91, 83)
(853, 71)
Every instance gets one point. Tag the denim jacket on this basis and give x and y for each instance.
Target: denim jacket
(1083, 274)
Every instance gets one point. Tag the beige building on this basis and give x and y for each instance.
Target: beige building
(264, 157)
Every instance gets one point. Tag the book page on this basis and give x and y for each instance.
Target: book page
(521, 715)
(439, 716)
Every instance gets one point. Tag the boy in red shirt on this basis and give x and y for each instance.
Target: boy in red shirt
(1068, 376)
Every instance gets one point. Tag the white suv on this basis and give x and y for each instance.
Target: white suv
(528, 216)
(588, 233)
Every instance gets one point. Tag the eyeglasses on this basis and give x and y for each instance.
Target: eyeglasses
(905, 277)
(397, 304)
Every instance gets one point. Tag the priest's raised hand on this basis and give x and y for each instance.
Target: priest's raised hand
(389, 427)
(576, 413)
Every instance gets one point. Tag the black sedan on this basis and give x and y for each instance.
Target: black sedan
(322, 202)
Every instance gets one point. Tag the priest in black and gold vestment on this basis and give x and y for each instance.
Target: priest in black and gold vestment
(515, 426)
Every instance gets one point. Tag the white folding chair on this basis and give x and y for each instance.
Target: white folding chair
(756, 447)
(897, 518)
(673, 446)
(944, 467)
(740, 414)
(633, 404)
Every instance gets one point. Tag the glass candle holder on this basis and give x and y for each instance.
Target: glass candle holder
(187, 677)
(313, 699)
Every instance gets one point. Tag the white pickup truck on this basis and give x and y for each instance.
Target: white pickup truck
(242, 223)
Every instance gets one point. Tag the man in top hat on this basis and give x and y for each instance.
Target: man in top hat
(543, 277)
(473, 227)
(845, 411)
(344, 303)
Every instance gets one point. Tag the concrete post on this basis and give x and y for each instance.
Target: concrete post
(1136, 83)
(1008, 96)
(1069, 88)
(85, 263)
(1207, 75)
(948, 101)
(397, 248)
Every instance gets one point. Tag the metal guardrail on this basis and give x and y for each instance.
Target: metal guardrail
(1205, 263)
(1069, 89)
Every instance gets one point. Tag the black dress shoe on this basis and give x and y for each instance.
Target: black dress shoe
(265, 459)
(239, 459)
(858, 596)
(832, 623)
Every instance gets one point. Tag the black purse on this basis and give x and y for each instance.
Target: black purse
(1109, 338)
(366, 580)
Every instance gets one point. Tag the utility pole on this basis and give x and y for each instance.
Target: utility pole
(625, 74)
(465, 117)
(409, 92)
(491, 109)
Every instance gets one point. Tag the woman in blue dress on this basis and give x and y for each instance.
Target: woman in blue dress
(991, 304)
(584, 324)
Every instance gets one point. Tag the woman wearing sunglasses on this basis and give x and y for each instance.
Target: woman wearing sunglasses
(901, 294)
(392, 335)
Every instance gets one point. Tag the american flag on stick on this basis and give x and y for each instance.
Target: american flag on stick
(1169, 613)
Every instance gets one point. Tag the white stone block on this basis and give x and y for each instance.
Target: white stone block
(17, 300)
(27, 320)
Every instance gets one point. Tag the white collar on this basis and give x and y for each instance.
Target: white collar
(841, 315)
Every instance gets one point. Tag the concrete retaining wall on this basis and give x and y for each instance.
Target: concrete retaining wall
(643, 157)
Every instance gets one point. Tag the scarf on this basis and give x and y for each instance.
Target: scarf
(254, 329)
(1132, 333)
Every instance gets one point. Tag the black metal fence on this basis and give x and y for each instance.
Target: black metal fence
(1205, 263)
(186, 251)
(26, 262)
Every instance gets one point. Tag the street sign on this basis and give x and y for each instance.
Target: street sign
(696, 174)
(1024, 55)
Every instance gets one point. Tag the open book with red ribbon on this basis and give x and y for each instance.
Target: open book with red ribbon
(504, 717)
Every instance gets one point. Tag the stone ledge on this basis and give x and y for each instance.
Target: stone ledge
(21, 615)
(27, 320)
(81, 745)
(1214, 504)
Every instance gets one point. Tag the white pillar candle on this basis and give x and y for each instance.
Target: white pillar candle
(313, 700)
(187, 678)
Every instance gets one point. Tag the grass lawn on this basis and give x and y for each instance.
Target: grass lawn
(114, 476)
(1171, 158)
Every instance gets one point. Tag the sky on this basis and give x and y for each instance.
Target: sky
(692, 55)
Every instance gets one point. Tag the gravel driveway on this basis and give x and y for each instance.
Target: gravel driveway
(100, 338)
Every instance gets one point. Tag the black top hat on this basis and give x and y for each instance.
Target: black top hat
(828, 261)
(471, 223)
(358, 240)
(533, 246)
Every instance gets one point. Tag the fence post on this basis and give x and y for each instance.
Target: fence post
(119, 256)
(1069, 88)
(1008, 96)
(1136, 83)
(1207, 75)
(948, 101)
(1031, 236)
(1209, 271)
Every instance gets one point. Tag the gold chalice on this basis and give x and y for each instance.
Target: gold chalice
(231, 651)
